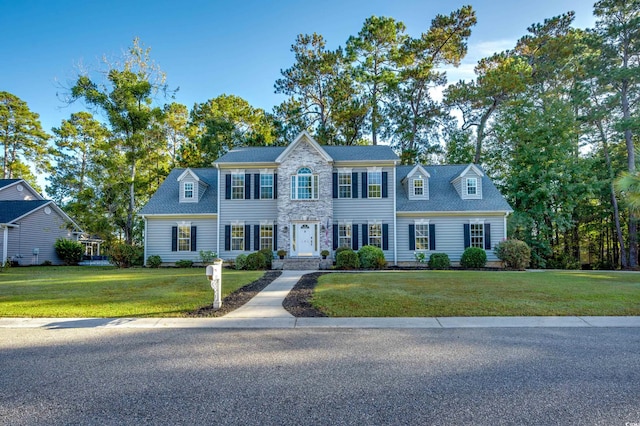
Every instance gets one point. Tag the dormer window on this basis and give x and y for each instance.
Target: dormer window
(418, 186)
(472, 186)
(188, 190)
(304, 185)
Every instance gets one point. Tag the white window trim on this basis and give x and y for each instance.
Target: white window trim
(241, 173)
(188, 226)
(476, 222)
(421, 222)
(267, 173)
(370, 171)
(466, 186)
(346, 224)
(350, 174)
(369, 225)
(241, 226)
(315, 185)
(193, 191)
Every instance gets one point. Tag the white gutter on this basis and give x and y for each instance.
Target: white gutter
(145, 241)
(395, 219)
(218, 215)
(505, 225)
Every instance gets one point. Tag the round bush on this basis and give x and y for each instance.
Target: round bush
(241, 262)
(69, 251)
(371, 257)
(123, 255)
(514, 253)
(268, 257)
(473, 257)
(256, 261)
(347, 259)
(439, 261)
(154, 261)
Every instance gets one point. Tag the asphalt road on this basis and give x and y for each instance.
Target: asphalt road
(522, 376)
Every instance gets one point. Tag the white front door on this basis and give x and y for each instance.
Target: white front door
(305, 239)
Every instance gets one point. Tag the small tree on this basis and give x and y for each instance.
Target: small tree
(69, 251)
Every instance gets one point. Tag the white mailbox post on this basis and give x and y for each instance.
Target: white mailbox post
(214, 274)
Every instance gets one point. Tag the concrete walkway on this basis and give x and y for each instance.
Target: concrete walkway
(265, 311)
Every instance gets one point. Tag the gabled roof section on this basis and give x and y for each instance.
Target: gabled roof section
(7, 183)
(13, 210)
(473, 167)
(189, 172)
(417, 169)
(166, 200)
(442, 195)
(304, 137)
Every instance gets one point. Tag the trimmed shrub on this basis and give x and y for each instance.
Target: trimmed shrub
(371, 257)
(184, 263)
(241, 262)
(514, 253)
(154, 261)
(347, 259)
(268, 257)
(473, 257)
(256, 261)
(207, 256)
(341, 249)
(123, 255)
(69, 251)
(439, 261)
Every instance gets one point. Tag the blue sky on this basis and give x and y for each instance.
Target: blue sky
(208, 48)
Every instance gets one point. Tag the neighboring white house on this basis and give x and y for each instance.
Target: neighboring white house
(306, 198)
(30, 225)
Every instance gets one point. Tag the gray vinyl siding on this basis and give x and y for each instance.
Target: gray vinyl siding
(449, 235)
(158, 237)
(11, 193)
(360, 210)
(39, 231)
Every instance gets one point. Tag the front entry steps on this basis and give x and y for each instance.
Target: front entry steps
(301, 264)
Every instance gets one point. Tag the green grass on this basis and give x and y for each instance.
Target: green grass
(477, 293)
(85, 291)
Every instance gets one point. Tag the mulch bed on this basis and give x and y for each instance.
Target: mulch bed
(297, 301)
(236, 299)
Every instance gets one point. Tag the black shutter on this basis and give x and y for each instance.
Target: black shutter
(385, 236)
(335, 185)
(275, 237)
(247, 237)
(467, 236)
(412, 237)
(227, 237)
(365, 234)
(256, 237)
(194, 238)
(256, 186)
(365, 185)
(354, 237)
(354, 185)
(385, 184)
(487, 236)
(247, 186)
(174, 238)
(275, 186)
(432, 237)
(227, 187)
(335, 236)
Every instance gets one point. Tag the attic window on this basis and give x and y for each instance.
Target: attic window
(418, 186)
(188, 190)
(472, 186)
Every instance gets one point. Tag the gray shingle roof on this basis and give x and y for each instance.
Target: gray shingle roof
(166, 199)
(338, 153)
(7, 182)
(443, 196)
(13, 209)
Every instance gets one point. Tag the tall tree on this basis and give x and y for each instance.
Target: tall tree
(618, 25)
(174, 124)
(377, 53)
(22, 138)
(126, 97)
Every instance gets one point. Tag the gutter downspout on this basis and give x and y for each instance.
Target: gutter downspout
(218, 215)
(5, 241)
(145, 241)
(505, 225)
(395, 218)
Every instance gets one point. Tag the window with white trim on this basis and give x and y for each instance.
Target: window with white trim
(266, 237)
(418, 186)
(374, 184)
(266, 186)
(375, 234)
(471, 185)
(188, 190)
(237, 237)
(476, 233)
(304, 185)
(237, 186)
(344, 184)
(422, 236)
(344, 235)
(184, 237)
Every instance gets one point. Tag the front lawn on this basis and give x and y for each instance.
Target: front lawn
(477, 293)
(86, 291)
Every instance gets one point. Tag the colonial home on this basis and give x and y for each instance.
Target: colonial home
(306, 198)
(30, 225)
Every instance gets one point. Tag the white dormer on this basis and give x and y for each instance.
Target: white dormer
(468, 184)
(192, 188)
(416, 183)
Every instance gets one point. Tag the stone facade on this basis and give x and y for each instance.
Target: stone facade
(318, 211)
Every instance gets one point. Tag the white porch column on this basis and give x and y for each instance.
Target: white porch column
(5, 242)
